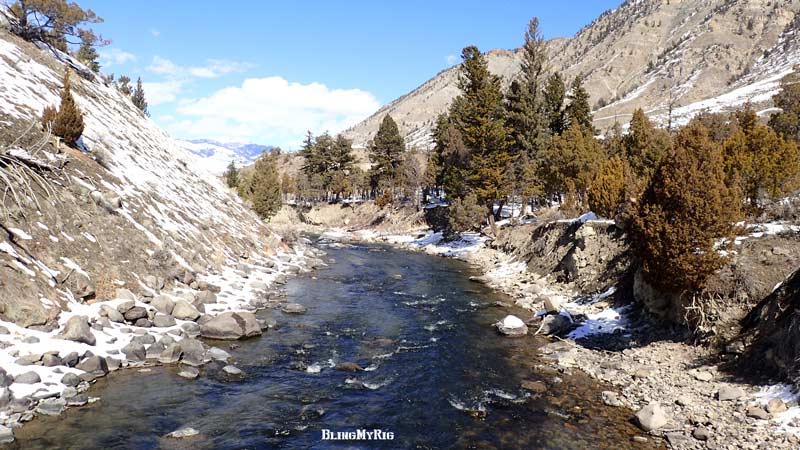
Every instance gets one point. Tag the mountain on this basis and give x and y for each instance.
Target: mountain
(214, 156)
(650, 54)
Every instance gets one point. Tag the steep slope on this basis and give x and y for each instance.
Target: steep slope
(646, 54)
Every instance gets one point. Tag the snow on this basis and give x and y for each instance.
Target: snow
(20, 234)
(511, 321)
(788, 420)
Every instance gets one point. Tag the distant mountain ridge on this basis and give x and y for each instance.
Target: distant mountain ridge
(650, 54)
(214, 156)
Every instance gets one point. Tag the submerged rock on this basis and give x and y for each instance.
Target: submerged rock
(232, 370)
(189, 372)
(512, 326)
(183, 433)
(294, 308)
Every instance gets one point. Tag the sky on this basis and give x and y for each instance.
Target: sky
(267, 71)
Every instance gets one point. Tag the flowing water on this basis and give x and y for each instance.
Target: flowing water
(436, 375)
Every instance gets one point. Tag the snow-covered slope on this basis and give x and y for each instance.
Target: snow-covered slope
(215, 156)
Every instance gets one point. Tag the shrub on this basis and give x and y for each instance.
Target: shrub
(68, 124)
(465, 215)
(607, 191)
(385, 199)
(49, 118)
(266, 187)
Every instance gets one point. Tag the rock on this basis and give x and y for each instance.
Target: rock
(230, 326)
(193, 352)
(776, 406)
(82, 287)
(534, 386)
(184, 311)
(71, 359)
(757, 412)
(727, 393)
(51, 406)
(5, 378)
(78, 400)
(294, 308)
(144, 339)
(554, 324)
(51, 360)
(348, 367)
(5, 397)
(135, 313)
(153, 282)
(70, 379)
(206, 297)
(125, 294)
(218, 354)
(163, 304)
(123, 307)
(701, 433)
(23, 310)
(780, 251)
(232, 370)
(113, 314)
(113, 363)
(703, 376)
(684, 400)
(163, 321)
(171, 354)
(611, 398)
(183, 433)
(6, 435)
(27, 378)
(134, 352)
(77, 329)
(512, 326)
(640, 439)
(191, 329)
(651, 417)
(94, 364)
(643, 372)
(189, 372)
(4, 330)
(552, 305)
(31, 340)
(155, 350)
(677, 439)
(143, 323)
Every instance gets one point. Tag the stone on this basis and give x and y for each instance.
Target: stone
(6, 435)
(193, 352)
(348, 367)
(135, 313)
(651, 417)
(677, 439)
(123, 307)
(5, 397)
(512, 326)
(113, 364)
(78, 400)
(554, 324)
(153, 282)
(125, 294)
(163, 304)
(95, 365)
(145, 339)
(206, 297)
(171, 354)
(701, 434)
(191, 329)
(183, 433)
(776, 406)
(143, 323)
(184, 311)
(757, 412)
(27, 378)
(30, 340)
(534, 386)
(112, 314)
(727, 393)
(684, 400)
(189, 372)
(155, 350)
(5, 378)
(134, 352)
(643, 372)
(611, 398)
(552, 305)
(703, 376)
(294, 308)
(51, 360)
(51, 406)
(232, 370)
(218, 354)
(231, 326)
(24, 311)
(71, 359)
(77, 329)
(163, 321)
(4, 330)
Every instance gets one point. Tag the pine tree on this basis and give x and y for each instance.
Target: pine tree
(644, 145)
(53, 22)
(578, 111)
(386, 154)
(124, 84)
(607, 190)
(232, 175)
(87, 54)
(68, 123)
(478, 114)
(265, 186)
(571, 159)
(787, 122)
(686, 208)
(138, 98)
(555, 92)
(453, 158)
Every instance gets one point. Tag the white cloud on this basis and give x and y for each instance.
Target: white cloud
(158, 93)
(155, 33)
(112, 56)
(272, 110)
(212, 69)
(163, 66)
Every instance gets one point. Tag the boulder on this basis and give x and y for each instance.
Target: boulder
(134, 352)
(155, 350)
(757, 412)
(163, 320)
(191, 329)
(77, 329)
(163, 304)
(171, 354)
(776, 406)
(193, 352)
(552, 305)
(217, 354)
(727, 393)
(206, 297)
(232, 370)
(554, 324)
(153, 282)
(71, 359)
(112, 314)
(512, 326)
(185, 311)
(294, 308)
(135, 313)
(95, 365)
(125, 294)
(27, 378)
(6, 435)
(651, 417)
(51, 360)
(51, 406)
(5, 378)
(189, 372)
(25, 311)
(230, 326)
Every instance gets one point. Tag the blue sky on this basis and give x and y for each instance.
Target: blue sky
(264, 71)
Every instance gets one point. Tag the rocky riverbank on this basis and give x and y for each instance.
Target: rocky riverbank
(675, 390)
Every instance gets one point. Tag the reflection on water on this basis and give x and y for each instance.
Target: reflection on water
(423, 362)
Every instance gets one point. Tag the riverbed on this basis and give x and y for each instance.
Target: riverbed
(430, 370)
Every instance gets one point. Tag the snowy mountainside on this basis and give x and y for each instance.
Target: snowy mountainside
(214, 156)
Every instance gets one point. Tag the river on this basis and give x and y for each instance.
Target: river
(436, 375)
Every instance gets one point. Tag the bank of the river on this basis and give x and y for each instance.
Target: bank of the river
(702, 406)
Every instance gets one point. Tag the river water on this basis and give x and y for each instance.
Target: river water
(437, 375)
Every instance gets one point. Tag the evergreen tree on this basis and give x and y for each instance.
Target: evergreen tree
(570, 161)
(266, 186)
(124, 84)
(87, 54)
(453, 158)
(607, 191)
(787, 122)
(68, 123)
(54, 22)
(478, 114)
(231, 175)
(578, 111)
(138, 98)
(686, 208)
(386, 154)
(644, 145)
(555, 92)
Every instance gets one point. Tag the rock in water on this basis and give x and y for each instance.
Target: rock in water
(776, 406)
(512, 326)
(231, 325)
(232, 370)
(651, 417)
(77, 329)
(51, 406)
(189, 372)
(294, 308)
(183, 433)
(6, 435)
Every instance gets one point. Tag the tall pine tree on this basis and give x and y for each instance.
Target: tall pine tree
(555, 92)
(138, 98)
(578, 111)
(386, 154)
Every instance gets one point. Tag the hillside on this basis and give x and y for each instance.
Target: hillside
(214, 156)
(645, 54)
